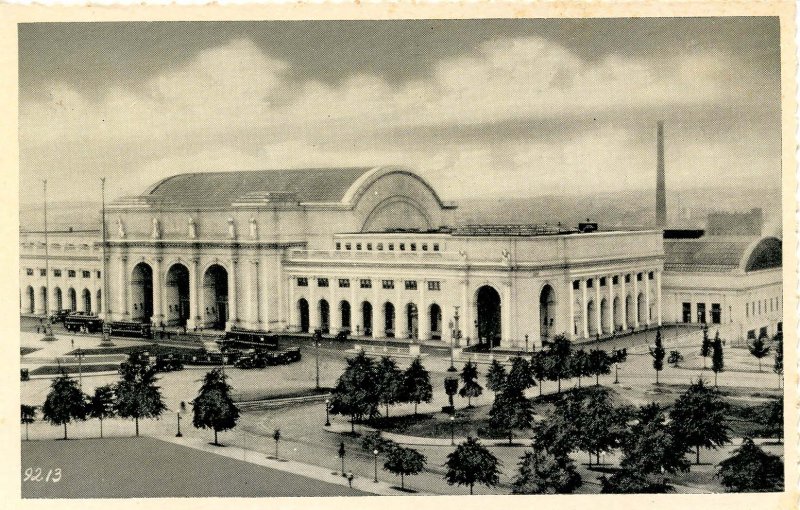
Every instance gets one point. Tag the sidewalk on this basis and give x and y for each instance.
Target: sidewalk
(342, 428)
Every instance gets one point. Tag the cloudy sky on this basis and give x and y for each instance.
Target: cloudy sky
(480, 108)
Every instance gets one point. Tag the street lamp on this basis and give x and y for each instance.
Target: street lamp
(179, 425)
(616, 373)
(79, 354)
(375, 452)
(327, 412)
(526, 344)
(452, 431)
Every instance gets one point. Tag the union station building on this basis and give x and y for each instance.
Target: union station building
(376, 252)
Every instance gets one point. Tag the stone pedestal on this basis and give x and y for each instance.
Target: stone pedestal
(414, 349)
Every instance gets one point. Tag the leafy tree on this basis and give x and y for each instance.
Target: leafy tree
(628, 481)
(137, 395)
(778, 366)
(759, 349)
(751, 469)
(540, 367)
(389, 380)
(520, 376)
(599, 364)
(651, 445)
(404, 461)
(472, 463)
(558, 433)
(276, 436)
(717, 359)
(699, 418)
(705, 347)
(213, 407)
(510, 410)
(64, 403)
(496, 377)
(579, 365)
(619, 355)
(658, 354)
(101, 404)
(417, 386)
(675, 358)
(770, 417)
(559, 351)
(374, 441)
(27, 416)
(602, 426)
(451, 388)
(541, 472)
(469, 379)
(356, 392)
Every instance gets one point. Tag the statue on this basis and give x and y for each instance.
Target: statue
(120, 227)
(192, 229)
(231, 229)
(156, 229)
(253, 229)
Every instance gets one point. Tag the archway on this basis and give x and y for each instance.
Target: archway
(141, 292)
(436, 321)
(388, 316)
(617, 313)
(73, 299)
(629, 308)
(302, 308)
(87, 301)
(591, 316)
(43, 301)
(176, 305)
(641, 309)
(99, 301)
(412, 320)
(547, 311)
(324, 316)
(489, 325)
(30, 300)
(59, 299)
(604, 314)
(344, 308)
(366, 316)
(215, 296)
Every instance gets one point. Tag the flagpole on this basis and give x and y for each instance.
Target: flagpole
(105, 298)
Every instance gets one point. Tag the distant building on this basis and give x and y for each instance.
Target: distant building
(736, 223)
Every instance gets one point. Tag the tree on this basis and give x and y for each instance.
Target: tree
(496, 377)
(705, 347)
(559, 432)
(759, 349)
(540, 367)
(717, 360)
(599, 364)
(751, 469)
(770, 417)
(658, 353)
(403, 462)
(628, 481)
(64, 403)
(579, 365)
(356, 391)
(276, 436)
(542, 472)
(520, 376)
(675, 358)
(417, 386)
(374, 441)
(213, 407)
(451, 388)
(389, 379)
(137, 395)
(559, 351)
(651, 445)
(698, 418)
(101, 404)
(469, 379)
(27, 416)
(472, 463)
(341, 453)
(510, 410)
(601, 426)
(778, 366)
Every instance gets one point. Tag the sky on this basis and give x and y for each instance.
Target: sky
(480, 108)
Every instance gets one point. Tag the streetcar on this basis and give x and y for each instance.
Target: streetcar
(80, 322)
(130, 328)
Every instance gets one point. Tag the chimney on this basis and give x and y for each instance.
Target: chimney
(661, 192)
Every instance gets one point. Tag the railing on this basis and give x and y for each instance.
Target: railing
(372, 256)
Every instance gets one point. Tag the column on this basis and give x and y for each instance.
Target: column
(647, 297)
(598, 308)
(194, 300)
(505, 316)
(571, 334)
(252, 298)
(294, 320)
(263, 292)
(424, 319)
(468, 326)
(158, 292)
(356, 313)
(585, 308)
(123, 288)
(658, 295)
(624, 300)
(635, 300)
(233, 309)
(610, 283)
(378, 317)
(313, 305)
(335, 317)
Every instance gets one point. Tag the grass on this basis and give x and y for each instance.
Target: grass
(27, 350)
(246, 396)
(73, 369)
(154, 348)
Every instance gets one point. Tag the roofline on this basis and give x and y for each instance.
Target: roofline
(368, 178)
(748, 252)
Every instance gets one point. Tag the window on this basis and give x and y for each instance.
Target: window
(687, 312)
(388, 284)
(99, 275)
(322, 282)
(358, 246)
(29, 271)
(56, 272)
(391, 246)
(650, 275)
(369, 246)
(589, 283)
(638, 277)
(603, 281)
(338, 246)
(614, 280)
(627, 278)
(71, 273)
(435, 247)
(402, 246)
(411, 285)
(302, 281)
(701, 313)
(87, 274)
(716, 313)
(42, 272)
(413, 246)
(344, 283)
(576, 285)
(380, 246)
(434, 285)
(366, 284)
(424, 247)
(348, 246)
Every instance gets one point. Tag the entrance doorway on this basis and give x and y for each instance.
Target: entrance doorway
(215, 292)
(489, 326)
(547, 311)
(141, 293)
(177, 308)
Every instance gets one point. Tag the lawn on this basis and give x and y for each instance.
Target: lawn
(147, 467)
(23, 351)
(73, 369)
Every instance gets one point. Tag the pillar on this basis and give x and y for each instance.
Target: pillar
(610, 283)
(313, 305)
(571, 310)
(468, 326)
(124, 313)
(424, 321)
(158, 291)
(647, 297)
(585, 308)
(252, 298)
(636, 300)
(194, 299)
(598, 307)
(233, 309)
(658, 296)
(356, 312)
(505, 317)
(334, 305)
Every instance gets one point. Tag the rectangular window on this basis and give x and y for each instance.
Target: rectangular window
(603, 281)
(358, 246)
(71, 273)
(716, 313)
(388, 284)
(322, 282)
(434, 285)
(413, 246)
(99, 275)
(687, 312)
(344, 283)
(589, 283)
(348, 246)
(87, 274)
(701, 313)
(638, 277)
(338, 246)
(402, 246)
(380, 246)
(302, 281)
(650, 275)
(29, 271)
(424, 247)
(435, 247)
(614, 280)
(627, 278)
(366, 284)
(411, 285)
(391, 246)
(43, 272)
(576, 285)
(56, 272)
(369, 246)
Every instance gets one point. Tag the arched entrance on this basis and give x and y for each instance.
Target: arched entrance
(629, 308)
(591, 315)
(617, 313)
(43, 299)
(547, 311)
(366, 316)
(344, 308)
(641, 309)
(412, 320)
(388, 316)
(302, 308)
(436, 321)
(604, 311)
(30, 300)
(489, 326)
(324, 316)
(87, 301)
(141, 292)
(59, 299)
(99, 301)
(176, 305)
(215, 296)
(72, 296)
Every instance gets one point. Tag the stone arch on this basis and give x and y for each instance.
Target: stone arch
(86, 296)
(435, 314)
(215, 296)
(547, 311)
(30, 300)
(345, 314)
(641, 309)
(43, 301)
(412, 320)
(303, 313)
(629, 308)
(72, 299)
(142, 292)
(386, 214)
(605, 310)
(324, 314)
(488, 312)
(366, 317)
(389, 319)
(591, 315)
(176, 305)
(617, 306)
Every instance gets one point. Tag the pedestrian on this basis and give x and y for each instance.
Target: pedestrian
(37, 329)
(72, 341)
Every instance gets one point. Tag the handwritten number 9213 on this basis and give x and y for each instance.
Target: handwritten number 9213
(37, 475)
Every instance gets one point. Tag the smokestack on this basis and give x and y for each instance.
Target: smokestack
(661, 192)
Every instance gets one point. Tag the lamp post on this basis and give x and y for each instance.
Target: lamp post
(452, 430)
(616, 373)
(317, 338)
(526, 344)
(327, 412)
(79, 354)
(179, 425)
(375, 453)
